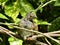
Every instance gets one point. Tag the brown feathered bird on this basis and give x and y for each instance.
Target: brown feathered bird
(28, 23)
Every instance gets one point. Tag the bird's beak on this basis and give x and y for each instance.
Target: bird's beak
(35, 16)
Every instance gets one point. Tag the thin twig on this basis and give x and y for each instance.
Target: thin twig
(43, 5)
(53, 35)
(4, 30)
(40, 43)
(37, 33)
(7, 33)
(8, 23)
(58, 41)
(55, 31)
(47, 41)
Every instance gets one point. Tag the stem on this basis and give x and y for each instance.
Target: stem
(37, 33)
(47, 41)
(43, 5)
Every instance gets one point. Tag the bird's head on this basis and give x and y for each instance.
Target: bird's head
(31, 15)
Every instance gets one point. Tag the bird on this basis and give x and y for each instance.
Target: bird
(28, 23)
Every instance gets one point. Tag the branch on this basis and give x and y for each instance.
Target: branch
(8, 23)
(2, 29)
(40, 43)
(40, 33)
(8, 32)
(58, 41)
(55, 31)
(47, 41)
(43, 5)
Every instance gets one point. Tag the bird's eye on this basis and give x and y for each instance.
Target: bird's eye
(30, 16)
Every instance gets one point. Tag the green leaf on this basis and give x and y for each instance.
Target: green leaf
(57, 3)
(43, 23)
(59, 38)
(1, 1)
(12, 10)
(17, 20)
(55, 25)
(1, 39)
(13, 41)
(40, 22)
(2, 16)
(25, 7)
(41, 9)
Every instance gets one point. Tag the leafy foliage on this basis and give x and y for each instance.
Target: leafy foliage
(14, 10)
(15, 42)
(2, 16)
(55, 25)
